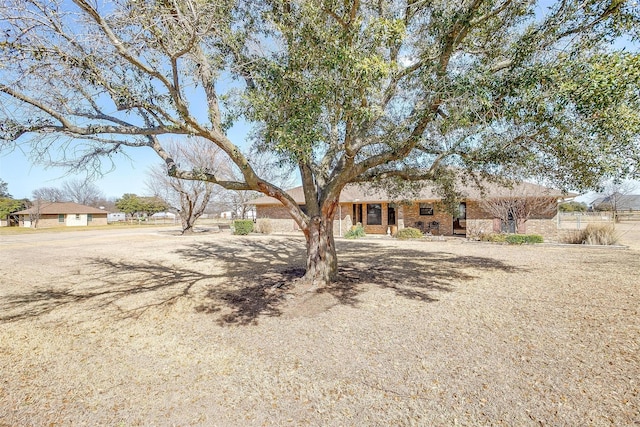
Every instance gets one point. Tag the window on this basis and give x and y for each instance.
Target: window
(77, 216)
(61, 218)
(374, 214)
(89, 217)
(426, 209)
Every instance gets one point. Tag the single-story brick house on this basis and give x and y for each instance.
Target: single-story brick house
(55, 214)
(380, 215)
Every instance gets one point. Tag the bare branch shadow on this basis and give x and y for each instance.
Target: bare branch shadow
(130, 288)
(261, 274)
(242, 280)
(412, 273)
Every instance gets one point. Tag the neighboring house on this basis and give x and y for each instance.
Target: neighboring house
(116, 217)
(164, 215)
(619, 202)
(248, 213)
(381, 215)
(49, 214)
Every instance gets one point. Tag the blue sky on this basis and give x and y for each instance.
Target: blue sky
(23, 177)
(129, 175)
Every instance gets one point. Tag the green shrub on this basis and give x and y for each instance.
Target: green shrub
(512, 239)
(534, 238)
(242, 226)
(356, 232)
(520, 239)
(493, 237)
(594, 234)
(263, 225)
(409, 233)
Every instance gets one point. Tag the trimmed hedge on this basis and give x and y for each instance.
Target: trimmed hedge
(409, 233)
(520, 239)
(512, 239)
(242, 226)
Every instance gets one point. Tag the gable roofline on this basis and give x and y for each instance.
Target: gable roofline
(622, 201)
(358, 193)
(59, 208)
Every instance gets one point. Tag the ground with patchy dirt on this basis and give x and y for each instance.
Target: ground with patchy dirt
(145, 327)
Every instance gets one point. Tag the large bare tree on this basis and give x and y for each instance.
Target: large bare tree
(83, 191)
(49, 194)
(346, 91)
(190, 198)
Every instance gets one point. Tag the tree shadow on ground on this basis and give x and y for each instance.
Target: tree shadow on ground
(242, 280)
(416, 273)
(262, 274)
(130, 288)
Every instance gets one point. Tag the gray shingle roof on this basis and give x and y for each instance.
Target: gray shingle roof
(53, 208)
(627, 202)
(364, 194)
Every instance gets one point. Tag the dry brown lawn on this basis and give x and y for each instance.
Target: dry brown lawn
(144, 327)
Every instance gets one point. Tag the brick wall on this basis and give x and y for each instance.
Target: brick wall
(408, 215)
(282, 222)
(51, 220)
(411, 214)
(482, 221)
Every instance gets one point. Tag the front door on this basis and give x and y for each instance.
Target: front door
(460, 220)
(391, 215)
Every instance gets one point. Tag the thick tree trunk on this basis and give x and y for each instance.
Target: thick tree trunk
(322, 262)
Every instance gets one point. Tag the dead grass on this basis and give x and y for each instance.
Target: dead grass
(143, 327)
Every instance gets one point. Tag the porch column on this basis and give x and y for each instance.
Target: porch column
(400, 215)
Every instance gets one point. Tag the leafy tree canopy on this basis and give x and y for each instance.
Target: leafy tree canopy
(572, 207)
(344, 91)
(132, 204)
(9, 205)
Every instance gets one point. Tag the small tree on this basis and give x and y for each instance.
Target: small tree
(9, 205)
(517, 208)
(189, 198)
(152, 205)
(134, 205)
(572, 206)
(129, 204)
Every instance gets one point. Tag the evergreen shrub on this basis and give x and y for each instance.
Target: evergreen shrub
(242, 226)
